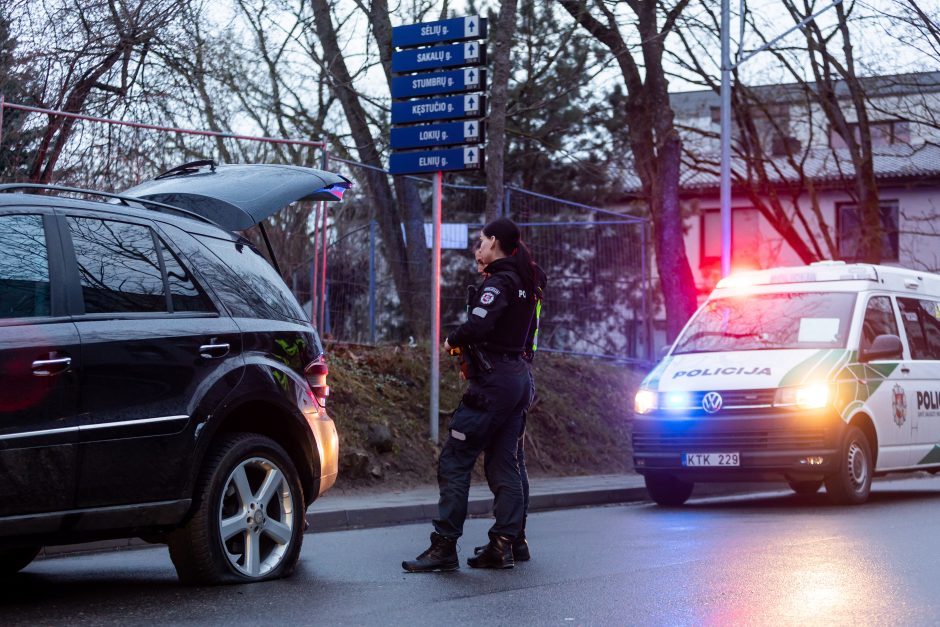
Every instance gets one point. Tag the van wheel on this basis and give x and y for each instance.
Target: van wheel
(13, 561)
(667, 490)
(249, 517)
(851, 484)
(805, 488)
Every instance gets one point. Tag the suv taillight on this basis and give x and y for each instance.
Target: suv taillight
(316, 372)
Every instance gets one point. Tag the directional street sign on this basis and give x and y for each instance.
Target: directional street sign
(416, 162)
(447, 82)
(429, 135)
(441, 108)
(437, 57)
(456, 29)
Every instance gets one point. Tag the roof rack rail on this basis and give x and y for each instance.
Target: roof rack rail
(125, 200)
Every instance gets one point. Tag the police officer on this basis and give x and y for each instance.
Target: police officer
(490, 415)
(520, 546)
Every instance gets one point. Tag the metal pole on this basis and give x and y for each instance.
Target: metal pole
(372, 281)
(315, 269)
(725, 187)
(436, 305)
(326, 163)
(505, 208)
(647, 288)
(1, 117)
(323, 247)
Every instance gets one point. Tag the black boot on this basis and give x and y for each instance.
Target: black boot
(496, 554)
(441, 557)
(520, 549)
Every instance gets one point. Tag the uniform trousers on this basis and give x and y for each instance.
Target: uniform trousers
(488, 420)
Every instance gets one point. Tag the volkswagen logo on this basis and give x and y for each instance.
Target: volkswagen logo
(711, 402)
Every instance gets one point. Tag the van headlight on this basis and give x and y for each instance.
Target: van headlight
(812, 396)
(645, 401)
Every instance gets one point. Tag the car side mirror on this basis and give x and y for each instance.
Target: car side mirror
(663, 351)
(884, 347)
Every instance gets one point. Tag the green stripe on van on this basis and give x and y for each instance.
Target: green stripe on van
(933, 457)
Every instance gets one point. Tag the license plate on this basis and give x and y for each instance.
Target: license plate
(711, 459)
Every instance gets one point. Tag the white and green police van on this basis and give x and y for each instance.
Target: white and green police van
(824, 374)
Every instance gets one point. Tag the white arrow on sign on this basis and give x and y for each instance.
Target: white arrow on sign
(470, 26)
(471, 51)
(470, 103)
(470, 156)
(470, 130)
(470, 77)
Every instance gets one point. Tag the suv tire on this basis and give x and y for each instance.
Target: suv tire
(851, 484)
(667, 490)
(250, 489)
(14, 560)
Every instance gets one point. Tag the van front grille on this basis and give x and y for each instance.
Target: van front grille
(715, 442)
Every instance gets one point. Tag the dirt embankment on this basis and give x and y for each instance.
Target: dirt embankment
(379, 399)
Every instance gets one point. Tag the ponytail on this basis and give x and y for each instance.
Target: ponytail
(510, 242)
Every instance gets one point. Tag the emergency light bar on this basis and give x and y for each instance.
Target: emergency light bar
(819, 271)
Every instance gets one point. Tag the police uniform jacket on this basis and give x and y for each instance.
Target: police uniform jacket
(500, 314)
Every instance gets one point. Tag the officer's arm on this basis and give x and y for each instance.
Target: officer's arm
(490, 303)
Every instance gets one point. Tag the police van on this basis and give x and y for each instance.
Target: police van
(823, 374)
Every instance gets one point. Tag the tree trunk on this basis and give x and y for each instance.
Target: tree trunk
(380, 191)
(499, 100)
(655, 144)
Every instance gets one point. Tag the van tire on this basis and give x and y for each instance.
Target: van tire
(851, 484)
(805, 488)
(667, 490)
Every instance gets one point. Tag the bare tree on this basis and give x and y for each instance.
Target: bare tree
(88, 51)
(653, 138)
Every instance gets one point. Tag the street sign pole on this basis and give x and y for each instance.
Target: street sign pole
(436, 304)
(438, 124)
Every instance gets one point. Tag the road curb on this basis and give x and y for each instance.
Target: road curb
(382, 516)
(362, 518)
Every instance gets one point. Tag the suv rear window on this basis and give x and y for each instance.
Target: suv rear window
(252, 288)
(24, 267)
(770, 321)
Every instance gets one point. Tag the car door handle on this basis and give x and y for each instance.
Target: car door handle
(214, 351)
(905, 370)
(51, 367)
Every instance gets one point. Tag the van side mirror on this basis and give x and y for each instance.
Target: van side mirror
(664, 350)
(884, 347)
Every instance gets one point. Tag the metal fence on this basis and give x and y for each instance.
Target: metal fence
(598, 297)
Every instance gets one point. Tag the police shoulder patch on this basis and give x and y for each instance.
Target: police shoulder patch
(487, 298)
(495, 290)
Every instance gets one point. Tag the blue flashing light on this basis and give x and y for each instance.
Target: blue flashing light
(677, 400)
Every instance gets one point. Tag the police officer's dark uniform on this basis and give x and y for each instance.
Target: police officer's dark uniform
(520, 546)
(489, 418)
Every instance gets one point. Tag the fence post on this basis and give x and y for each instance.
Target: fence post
(372, 281)
(647, 294)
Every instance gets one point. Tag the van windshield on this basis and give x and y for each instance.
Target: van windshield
(770, 321)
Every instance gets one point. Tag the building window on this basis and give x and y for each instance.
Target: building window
(850, 231)
(883, 133)
(745, 238)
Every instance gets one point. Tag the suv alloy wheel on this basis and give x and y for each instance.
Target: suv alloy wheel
(248, 524)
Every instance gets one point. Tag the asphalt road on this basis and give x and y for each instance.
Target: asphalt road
(757, 559)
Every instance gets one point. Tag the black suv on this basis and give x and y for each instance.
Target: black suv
(157, 378)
